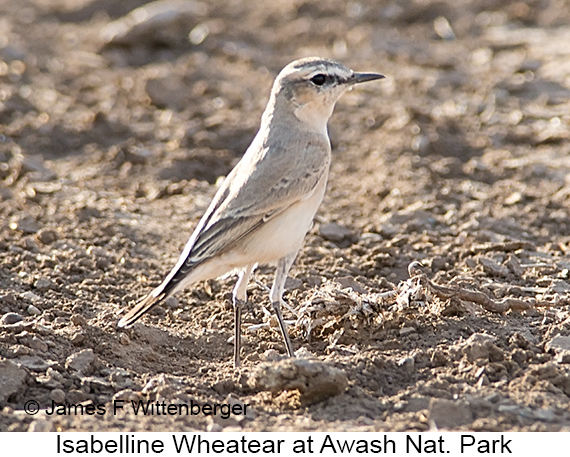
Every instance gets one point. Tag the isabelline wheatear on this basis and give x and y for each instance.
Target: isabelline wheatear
(266, 205)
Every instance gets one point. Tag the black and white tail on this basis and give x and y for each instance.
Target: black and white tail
(142, 307)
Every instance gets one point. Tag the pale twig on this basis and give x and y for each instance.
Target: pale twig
(415, 270)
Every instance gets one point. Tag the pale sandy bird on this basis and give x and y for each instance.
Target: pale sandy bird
(267, 203)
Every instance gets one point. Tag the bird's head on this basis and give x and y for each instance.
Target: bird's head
(311, 87)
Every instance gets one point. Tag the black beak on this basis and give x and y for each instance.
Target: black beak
(363, 77)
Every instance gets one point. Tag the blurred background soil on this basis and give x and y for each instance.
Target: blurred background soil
(115, 128)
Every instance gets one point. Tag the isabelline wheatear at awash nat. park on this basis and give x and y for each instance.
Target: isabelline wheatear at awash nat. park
(267, 203)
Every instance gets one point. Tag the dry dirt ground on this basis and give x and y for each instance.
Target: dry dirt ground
(114, 134)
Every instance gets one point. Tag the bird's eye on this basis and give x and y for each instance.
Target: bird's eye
(319, 79)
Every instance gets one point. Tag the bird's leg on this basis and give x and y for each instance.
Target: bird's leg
(283, 327)
(239, 297)
(276, 296)
(237, 331)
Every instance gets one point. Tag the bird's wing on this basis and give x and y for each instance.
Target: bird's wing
(265, 183)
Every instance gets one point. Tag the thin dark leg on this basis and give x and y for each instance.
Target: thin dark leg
(283, 327)
(276, 295)
(237, 331)
(239, 298)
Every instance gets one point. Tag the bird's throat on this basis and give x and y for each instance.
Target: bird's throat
(315, 115)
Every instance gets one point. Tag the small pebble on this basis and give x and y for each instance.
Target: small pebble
(82, 361)
(39, 345)
(558, 344)
(448, 414)
(43, 284)
(214, 427)
(171, 302)
(124, 339)
(57, 395)
(47, 236)
(30, 296)
(33, 310)
(78, 338)
(27, 224)
(9, 299)
(96, 251)
(407, 330)
(31, 245)
(10, 318)
(78, 319)
(40, 425)
(334, 232)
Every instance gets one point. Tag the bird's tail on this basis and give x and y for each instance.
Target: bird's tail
(173, 282)
(142, 307)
